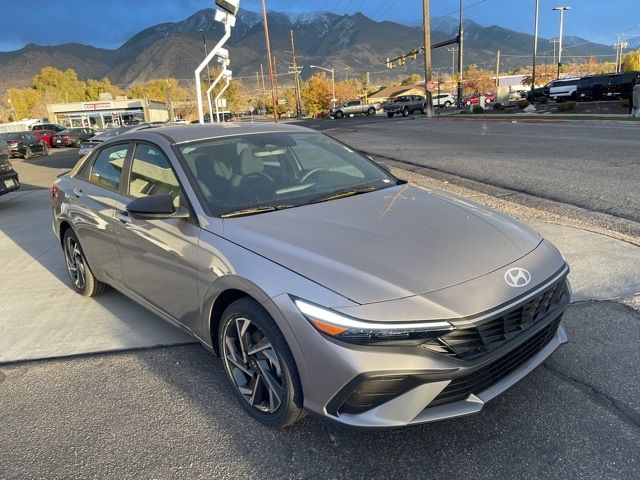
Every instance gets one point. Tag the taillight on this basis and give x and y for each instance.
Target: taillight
(54, 191)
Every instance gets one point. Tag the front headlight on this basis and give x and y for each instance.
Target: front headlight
(352, 330)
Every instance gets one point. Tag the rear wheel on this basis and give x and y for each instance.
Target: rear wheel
(259, 364)
(390, 114)
(447, 104)
(371, 111)
(28, 153)
(405, 112)
(81, 275)
(339, 114)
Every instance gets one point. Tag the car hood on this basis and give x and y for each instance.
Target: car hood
(387, 244)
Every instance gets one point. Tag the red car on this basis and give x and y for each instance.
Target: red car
(475, 99)
(45, 135)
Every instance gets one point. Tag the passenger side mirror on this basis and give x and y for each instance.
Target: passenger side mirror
(156, 207)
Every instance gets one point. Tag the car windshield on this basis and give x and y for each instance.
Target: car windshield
(278, 170)
(8, 136)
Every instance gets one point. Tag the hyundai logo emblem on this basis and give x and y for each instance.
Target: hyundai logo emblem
(517, 277)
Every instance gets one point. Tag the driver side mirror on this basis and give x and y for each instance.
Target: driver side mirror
(156, 207)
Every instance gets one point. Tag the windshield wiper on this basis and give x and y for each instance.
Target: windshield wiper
(254, 210)
(343, 194)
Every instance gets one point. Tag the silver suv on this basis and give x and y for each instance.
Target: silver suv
(322, 281)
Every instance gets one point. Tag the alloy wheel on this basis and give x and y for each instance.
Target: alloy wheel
(75, 262)
(253, 365)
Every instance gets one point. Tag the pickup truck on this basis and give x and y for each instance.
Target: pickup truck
(353, 107)
(404, 105)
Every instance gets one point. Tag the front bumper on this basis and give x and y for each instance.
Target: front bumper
(9, 182)
(377, 386)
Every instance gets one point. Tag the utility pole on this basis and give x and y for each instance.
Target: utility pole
(271, 65)
(460, 53)
(554, 41)
(453, 59)
(426, 18)
(169, 101)
(497, 69)
(346, 73)
(561, 10)
(258, 82)
(295, 77)
(262, 76)
(535, 52)
(275, 79)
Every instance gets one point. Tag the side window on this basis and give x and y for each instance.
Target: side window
(108, 165)
(151, 174)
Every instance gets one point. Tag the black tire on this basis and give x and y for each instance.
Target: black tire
(423, 111)
(28, 153)
(83, 281)
(371, 111)
(251, 373)
(339, 114)
(390, 114)
(447, 104)
(405, 112)
(46, 150)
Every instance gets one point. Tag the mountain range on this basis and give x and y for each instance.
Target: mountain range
(326, 39)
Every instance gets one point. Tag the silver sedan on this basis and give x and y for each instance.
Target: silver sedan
(322, 281)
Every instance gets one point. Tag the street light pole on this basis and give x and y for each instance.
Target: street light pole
(561, 10)
(271, 77)
(460, 53)
(535, 53)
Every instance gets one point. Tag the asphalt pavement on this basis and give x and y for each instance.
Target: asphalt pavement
(590, 164)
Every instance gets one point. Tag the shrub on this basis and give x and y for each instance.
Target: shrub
(498, 106)
(566, 106)
(543, 100)
(624, 102)
(478, 109)
(522, 104)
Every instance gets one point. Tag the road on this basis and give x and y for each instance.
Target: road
(169, 413)
(593, 165)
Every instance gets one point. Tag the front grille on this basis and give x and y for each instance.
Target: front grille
(487, 376)
(474, 341)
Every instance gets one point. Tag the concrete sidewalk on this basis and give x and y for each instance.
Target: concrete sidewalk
(42, 317)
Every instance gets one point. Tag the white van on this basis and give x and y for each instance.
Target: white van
(564, 89)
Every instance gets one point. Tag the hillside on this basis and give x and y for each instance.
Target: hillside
(356, 41)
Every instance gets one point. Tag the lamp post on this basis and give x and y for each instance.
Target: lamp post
(333, 81)
(535, 53)
(206, 53)
(561, 10)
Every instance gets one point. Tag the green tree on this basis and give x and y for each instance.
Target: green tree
(94, 88)
(316, 93)
(61, 86)
(631, 61)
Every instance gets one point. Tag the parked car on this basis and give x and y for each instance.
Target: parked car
(45, 135)
(620, 85)
(72, 137)
(564, 89)
(404, 105)
(475, 99)
(539, 92)
(443, 100)
(48, 126)
(24, 144)
(277, 248)
(88, 145)
(9, 180)
(354, 107)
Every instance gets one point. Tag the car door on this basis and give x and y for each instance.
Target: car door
(158, 256)
(92, 201)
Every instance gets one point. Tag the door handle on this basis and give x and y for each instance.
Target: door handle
(123, 216)
(78, 192)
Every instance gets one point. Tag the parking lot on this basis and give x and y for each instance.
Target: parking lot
(97, 388)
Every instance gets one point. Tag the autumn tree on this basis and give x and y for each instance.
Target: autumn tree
(22, 102)
(94, 88)
(347, 90)
(316, 93)
(411, 79)
(631, 62)
(477, 80)
(62, 86)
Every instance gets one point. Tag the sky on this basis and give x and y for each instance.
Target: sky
(109, 23)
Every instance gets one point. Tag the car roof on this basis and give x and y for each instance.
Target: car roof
(193, 133)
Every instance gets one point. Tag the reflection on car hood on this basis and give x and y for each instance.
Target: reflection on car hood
(387, 244)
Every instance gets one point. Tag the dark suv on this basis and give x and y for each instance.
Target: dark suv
(8, 176)
(24, 144)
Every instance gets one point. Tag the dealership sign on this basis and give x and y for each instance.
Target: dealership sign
(97, 106)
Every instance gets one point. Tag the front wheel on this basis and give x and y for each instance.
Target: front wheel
(339, 115)
(390, 114)
(371, 111)
(405, 112)
(447, 104)
(82, 277)
(28, 153)
(259, 364)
